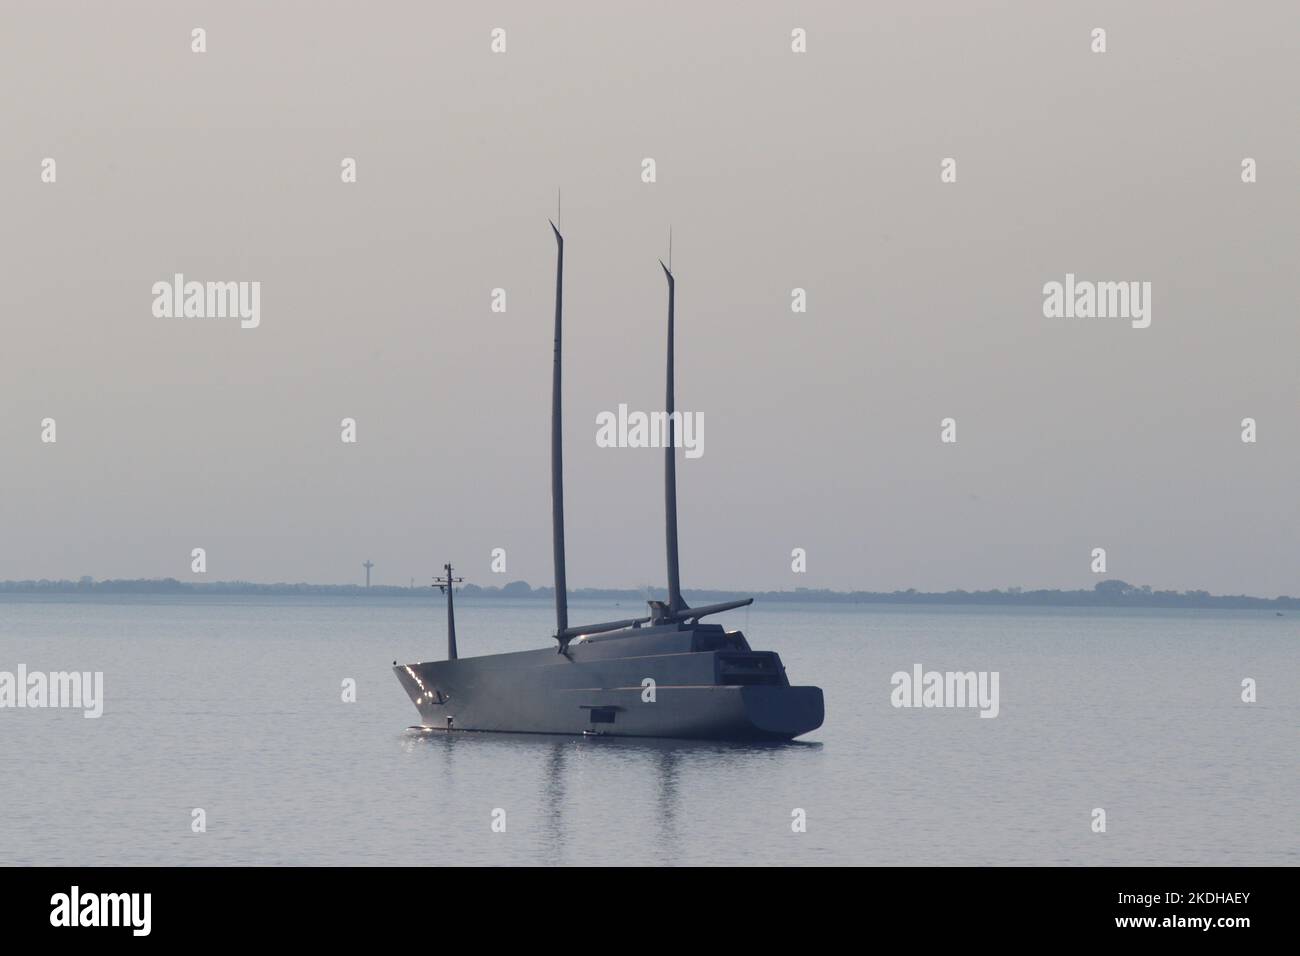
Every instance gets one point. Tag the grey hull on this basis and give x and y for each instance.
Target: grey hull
(706, 684)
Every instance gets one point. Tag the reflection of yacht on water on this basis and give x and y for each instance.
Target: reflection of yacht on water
(663, 675)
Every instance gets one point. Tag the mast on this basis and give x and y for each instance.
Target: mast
(675, 602)
(557, 455)
(444, 584)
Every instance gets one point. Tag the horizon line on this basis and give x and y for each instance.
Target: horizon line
(1111, 589)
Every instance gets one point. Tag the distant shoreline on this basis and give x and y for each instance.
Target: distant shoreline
(1109, 593)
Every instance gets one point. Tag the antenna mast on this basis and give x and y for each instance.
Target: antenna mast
(444, 584)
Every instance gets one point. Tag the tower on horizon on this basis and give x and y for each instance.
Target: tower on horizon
(368, 565)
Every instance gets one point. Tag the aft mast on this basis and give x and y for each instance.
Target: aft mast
(676, 609)
(675, 602)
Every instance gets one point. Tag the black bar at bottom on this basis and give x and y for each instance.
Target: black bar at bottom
(430, 907)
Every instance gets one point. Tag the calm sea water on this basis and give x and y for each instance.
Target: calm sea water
(234, 705)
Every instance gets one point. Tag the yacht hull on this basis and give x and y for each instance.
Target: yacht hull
(630, 685)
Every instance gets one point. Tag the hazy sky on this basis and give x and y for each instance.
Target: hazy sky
(775, 170)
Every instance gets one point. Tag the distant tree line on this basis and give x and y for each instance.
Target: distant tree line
(1109, 593)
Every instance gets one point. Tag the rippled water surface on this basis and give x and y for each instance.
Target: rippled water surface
(234, 705)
